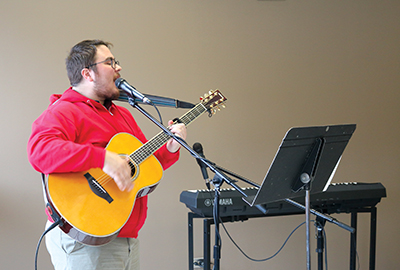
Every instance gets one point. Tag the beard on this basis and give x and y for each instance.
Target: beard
(106, 91)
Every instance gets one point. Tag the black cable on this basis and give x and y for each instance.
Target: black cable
(41, 238)
(326, 252)
(215, 219)
(260, 260)
(218, 236)
(326, 248)
(159, 114)
(321, 227)
(280, 249)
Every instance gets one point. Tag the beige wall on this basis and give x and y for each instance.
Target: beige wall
(279, 63)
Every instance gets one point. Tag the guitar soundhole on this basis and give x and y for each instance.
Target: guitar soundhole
(134, 169)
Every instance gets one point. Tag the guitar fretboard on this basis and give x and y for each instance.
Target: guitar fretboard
(147, 149)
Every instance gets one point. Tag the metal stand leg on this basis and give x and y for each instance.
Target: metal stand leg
(206, 243)
(190, 238)
(207, 222)
(372, 245)
(308, 229)
(319, 224)
(353, 241)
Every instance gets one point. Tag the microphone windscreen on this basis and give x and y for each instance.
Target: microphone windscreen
(198, 147)
(118, 82)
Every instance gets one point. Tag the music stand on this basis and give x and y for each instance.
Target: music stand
(305, 163)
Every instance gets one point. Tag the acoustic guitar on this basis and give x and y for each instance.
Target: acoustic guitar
(90, 205)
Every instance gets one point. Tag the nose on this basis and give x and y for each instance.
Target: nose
(117, 68)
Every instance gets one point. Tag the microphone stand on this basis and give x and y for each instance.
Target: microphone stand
(219, 178)
(134, 104)
(184, 145)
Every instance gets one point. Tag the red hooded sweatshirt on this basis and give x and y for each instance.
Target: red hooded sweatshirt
(71, 136)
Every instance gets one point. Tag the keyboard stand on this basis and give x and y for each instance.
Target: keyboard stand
(207, 222)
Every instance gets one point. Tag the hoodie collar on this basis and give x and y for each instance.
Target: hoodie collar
(70, 95)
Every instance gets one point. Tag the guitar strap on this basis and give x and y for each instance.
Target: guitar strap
(49, 208)
(53, 214)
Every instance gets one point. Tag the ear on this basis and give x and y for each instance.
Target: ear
(87, 74)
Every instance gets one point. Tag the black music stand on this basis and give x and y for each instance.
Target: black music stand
(305, 163)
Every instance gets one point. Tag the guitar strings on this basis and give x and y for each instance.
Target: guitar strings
(154, 144)
(105, 178)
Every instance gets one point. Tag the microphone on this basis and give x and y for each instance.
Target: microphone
(130, 90)
(198, 148)
(160, 101)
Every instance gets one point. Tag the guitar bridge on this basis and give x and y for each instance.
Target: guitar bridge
(97, 188)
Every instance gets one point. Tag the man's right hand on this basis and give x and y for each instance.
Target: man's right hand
(119, 170)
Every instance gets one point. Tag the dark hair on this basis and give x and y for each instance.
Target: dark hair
(81, 56)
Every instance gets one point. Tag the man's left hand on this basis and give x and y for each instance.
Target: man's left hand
(180, 131)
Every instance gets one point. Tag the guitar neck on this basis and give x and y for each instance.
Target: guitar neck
(147, 149)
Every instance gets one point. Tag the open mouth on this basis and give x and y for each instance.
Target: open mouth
(117, 77)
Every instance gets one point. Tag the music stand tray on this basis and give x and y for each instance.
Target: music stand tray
(313, 150)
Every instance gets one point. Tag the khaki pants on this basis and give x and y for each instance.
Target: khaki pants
(68, 254)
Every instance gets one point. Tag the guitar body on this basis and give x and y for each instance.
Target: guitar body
(96, 219)
(91, 206)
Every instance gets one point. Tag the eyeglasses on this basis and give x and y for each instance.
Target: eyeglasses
(112, 62)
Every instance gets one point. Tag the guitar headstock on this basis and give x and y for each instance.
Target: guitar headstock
(213, 100)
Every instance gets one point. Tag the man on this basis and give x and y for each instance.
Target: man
(71, 136)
